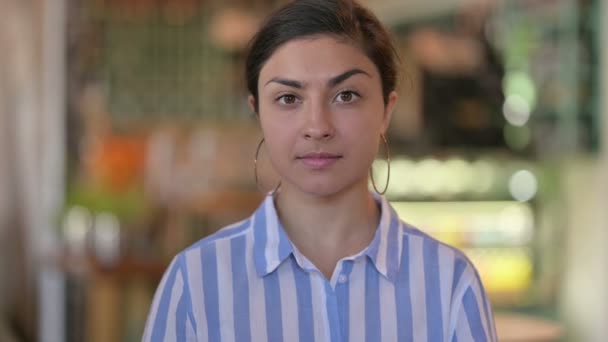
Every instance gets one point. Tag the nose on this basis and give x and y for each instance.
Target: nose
(319, 124)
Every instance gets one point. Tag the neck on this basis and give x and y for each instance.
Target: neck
(327, 229)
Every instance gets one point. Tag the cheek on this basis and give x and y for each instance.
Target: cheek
(272, 128)
(366, 124)
(277, 138)
(363, 136)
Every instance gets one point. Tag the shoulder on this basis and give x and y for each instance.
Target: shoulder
(417, 236)
(205, 253)
(225, 234)
(457, 278)
(448, 260)
(426, 252)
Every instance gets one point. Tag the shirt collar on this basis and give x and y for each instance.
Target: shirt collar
(272, 246)
(385, 249)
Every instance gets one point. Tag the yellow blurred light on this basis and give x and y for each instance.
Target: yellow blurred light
(484, 175)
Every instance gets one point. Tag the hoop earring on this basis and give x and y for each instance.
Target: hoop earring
(255, 169)
(388, 162)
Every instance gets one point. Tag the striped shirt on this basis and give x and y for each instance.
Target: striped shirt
(248, 282)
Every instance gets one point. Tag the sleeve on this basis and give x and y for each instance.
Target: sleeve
(170, 317)
(473, 319)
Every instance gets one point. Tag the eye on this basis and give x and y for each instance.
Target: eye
(287, 99)
(347, 96)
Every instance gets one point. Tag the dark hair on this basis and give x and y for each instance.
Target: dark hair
(304, 18)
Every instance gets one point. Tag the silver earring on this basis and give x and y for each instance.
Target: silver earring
(388, 162)
(255, 169)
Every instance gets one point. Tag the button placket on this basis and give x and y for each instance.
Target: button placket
(341, 291)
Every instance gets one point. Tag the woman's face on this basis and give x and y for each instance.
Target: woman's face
(322, 114)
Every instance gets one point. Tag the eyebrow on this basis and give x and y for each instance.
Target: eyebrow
(346, 75)
(334, 81)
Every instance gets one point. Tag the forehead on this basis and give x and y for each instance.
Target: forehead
(316, 57)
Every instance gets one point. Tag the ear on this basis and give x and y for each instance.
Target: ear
(251, 102)
(389, 108)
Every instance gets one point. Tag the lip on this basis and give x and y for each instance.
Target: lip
(319, 160)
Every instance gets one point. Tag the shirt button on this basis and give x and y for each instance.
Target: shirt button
(342, 278)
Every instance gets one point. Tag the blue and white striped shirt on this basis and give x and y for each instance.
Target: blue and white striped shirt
(247, 282)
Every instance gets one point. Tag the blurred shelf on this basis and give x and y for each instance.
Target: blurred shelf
(126, 268)
(512, 327)
(223, 202)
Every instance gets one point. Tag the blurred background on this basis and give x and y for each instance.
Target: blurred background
(125, 137)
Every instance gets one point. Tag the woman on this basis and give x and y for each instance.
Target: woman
(322, 259)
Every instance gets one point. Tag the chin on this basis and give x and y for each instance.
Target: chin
(325, 189)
